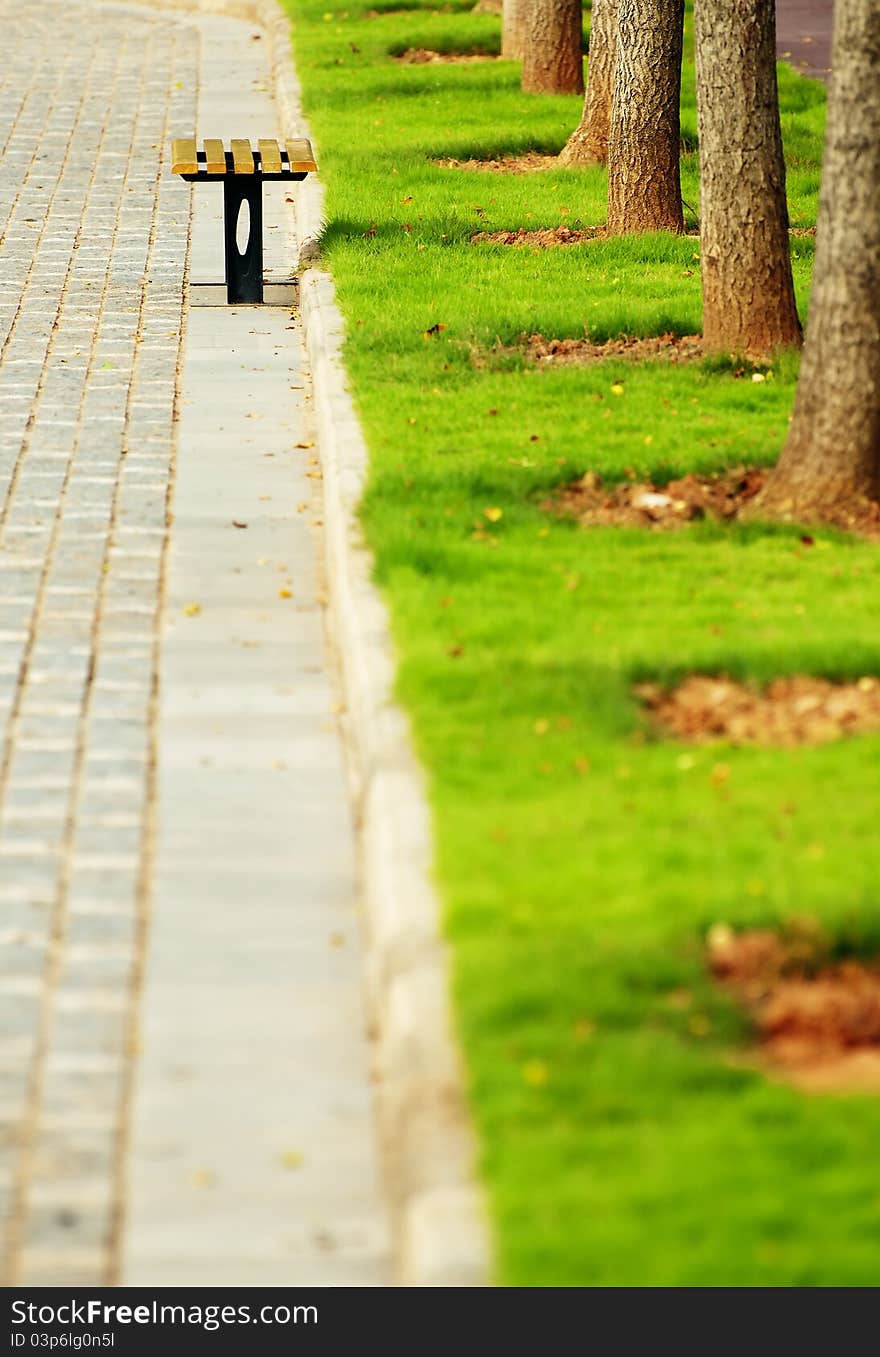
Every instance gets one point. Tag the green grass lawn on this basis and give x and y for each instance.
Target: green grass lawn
(581, 859)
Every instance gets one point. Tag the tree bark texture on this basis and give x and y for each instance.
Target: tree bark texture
(588, 144)
(553, 60)
(514, 17)
(644, 182)
(832, 455)
(748, 294)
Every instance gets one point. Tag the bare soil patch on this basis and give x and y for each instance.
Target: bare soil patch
(640, 504)
(582, 352)
(546, 239)
(527, 163)
(424, 56)
(817, 1020)
(409, 11)
(722, 495)
(790, 711)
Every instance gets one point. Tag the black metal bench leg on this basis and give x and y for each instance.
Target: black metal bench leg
(244, 271)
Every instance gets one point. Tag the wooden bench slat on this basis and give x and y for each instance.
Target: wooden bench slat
(300, 158)
(183, 156)
(300, 155)
(270, 157)
(215, 156)
(242, 155)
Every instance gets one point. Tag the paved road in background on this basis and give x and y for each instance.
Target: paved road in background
(803, 35)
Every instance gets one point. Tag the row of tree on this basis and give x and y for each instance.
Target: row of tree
(631, 122)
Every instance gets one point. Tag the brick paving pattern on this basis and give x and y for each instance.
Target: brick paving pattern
(91, 260)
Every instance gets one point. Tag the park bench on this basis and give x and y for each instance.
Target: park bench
(242, 171)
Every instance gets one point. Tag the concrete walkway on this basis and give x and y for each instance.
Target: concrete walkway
(185, 1091)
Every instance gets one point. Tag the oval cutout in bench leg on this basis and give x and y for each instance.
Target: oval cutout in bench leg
(243, 227)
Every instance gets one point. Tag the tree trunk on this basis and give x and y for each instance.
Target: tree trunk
(831, 459)
(644, 182)
(488, 7)
(553, 61)
(748, 294)
(514, 17)
(588, 144)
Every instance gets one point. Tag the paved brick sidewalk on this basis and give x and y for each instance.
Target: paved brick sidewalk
(92, 256)
(91, 266)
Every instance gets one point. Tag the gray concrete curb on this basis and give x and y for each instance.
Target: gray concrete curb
(441, 1231)
(440, 1221)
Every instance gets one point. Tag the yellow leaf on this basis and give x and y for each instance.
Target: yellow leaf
(493, 514)
(617, 389)
(285, 593)
(535, 1073)
(192, 609)
(541, 726)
